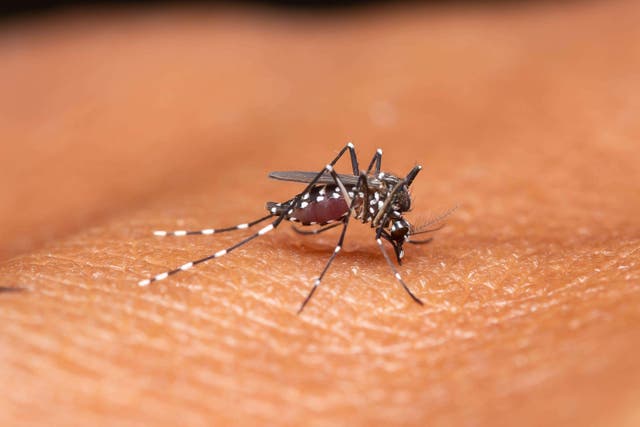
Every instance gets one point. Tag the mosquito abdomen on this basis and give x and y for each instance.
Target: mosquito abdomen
(320, 212)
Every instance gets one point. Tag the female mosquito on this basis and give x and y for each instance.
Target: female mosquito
(330, 200)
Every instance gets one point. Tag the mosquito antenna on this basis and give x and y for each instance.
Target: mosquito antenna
(423, 227)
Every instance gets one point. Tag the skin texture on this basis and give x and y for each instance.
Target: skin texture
(116, 124)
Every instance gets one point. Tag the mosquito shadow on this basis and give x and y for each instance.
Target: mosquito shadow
(8, 289)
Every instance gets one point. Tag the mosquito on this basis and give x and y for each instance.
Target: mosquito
(330, 200)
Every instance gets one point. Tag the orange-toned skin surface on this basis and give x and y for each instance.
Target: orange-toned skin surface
(116, 124)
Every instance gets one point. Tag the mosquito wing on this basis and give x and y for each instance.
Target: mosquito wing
(325, 178)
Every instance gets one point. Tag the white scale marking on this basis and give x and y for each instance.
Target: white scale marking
(186, 266)
(319, 198)
(162, 276)
(305, 196)
(322, 191)
(242, 226)
(337, 249)
(211, 230)
(398, 276)
(304, 205)
(180, 233)
(145, 282)
(159, 233)
(220, 253)
(265, 230)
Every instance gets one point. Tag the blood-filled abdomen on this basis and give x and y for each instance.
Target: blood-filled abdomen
(323, 212)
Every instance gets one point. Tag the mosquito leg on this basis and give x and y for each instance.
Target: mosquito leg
(364, 193)
(393, 268)
(396, 249)
(345, 222)
(326, 267)
(209, 231)
(295, 202)
(377, 160)
(316, 231)
(218, 254)
(352, 154)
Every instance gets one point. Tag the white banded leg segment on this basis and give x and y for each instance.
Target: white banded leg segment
(265, 230)
(395, 272)
(304, 195)
(337, 249)
(209, 231)
(345, 194)
(376, 161)
(317, 231)
(218, 254)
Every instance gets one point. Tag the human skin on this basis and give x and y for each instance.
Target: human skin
(117, 124)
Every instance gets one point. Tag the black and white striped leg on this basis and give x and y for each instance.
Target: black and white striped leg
(377, 161)
(338, 248)
(299, 199)
(210, 231)
(352, 156)
(393, 268)
(316, 231)
(218, 254)
(354, 159)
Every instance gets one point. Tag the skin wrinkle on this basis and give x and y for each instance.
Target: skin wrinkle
(522, 117)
